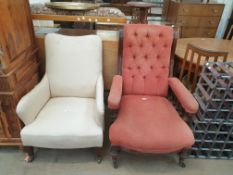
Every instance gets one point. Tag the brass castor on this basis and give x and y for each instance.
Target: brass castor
(99, 155)
(29, 158)
(99, 160)
(115, 162)
(182, 164)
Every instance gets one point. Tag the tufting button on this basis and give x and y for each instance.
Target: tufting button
(144, 77)
(165, 45)
(151, 67)
(158, 56)
(134, 56)
(160, 35)
(139, 67)
(135, 34)
(153, 45)
(157, 76)
(141, 45)
(164, 67)
(145, 57)
(130, 45)
(132, 76)
(147, 35)
(129, 68)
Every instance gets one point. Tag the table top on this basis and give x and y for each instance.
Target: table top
(140, 4)
(205, 43)
(103, 14)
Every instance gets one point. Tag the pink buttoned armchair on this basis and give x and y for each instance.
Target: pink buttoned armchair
(146, 120)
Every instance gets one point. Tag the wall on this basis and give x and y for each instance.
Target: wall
(225, 17)
(40, 23)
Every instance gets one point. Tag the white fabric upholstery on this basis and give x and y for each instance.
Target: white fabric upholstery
(73, 71)
(30, 105)
(66, 109)
(65, 122)
(100, 100)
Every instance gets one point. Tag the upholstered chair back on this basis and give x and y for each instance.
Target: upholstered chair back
(146, 59)
(73, 64)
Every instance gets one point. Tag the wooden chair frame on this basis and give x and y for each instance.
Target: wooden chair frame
(116, 150)
(189, 62)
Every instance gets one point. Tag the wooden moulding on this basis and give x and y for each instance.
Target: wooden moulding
(72, 18)
(9, 82)
(7, 69)
(26, 77)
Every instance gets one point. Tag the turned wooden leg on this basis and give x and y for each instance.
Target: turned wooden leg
(115, 152)
(99, 155)
(29, 153)
(183, 155)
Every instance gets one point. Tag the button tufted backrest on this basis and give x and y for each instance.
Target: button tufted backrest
(146, 59)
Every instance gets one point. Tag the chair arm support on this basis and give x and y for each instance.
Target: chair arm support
(30, 105)
(100, 100)
(115, 93)
(188, 102)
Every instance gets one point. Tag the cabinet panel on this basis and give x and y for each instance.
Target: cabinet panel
(15, 32)
(213, 10)
(198, 21)
(19, 66)
(186, 32)
(195, 19)
(209, 21)
(188, 21)
(200, 9)
(190, 9)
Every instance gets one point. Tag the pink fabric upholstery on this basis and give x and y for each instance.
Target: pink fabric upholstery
(186, 99)
(147, 121)
(149, 124)
(115, 94)
(146, 59)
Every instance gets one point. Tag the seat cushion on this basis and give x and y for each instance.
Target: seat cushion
(65, 122)
(149, 124)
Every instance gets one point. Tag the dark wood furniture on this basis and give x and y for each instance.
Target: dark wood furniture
(19, 67)
(166, 4)
(205, 43)
(191, 65)
(140, 11)
(195, 19)
(213, 44)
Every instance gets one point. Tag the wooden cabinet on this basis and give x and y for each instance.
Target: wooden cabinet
(195, 19)
(19, 67)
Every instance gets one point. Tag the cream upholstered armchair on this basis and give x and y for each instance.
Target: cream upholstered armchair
(66, 109)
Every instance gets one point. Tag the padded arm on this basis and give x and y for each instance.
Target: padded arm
(115, 94)
(30, 105)
(186, 99)
(100, 100)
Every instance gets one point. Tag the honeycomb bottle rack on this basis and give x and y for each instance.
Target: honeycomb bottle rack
(213, 125)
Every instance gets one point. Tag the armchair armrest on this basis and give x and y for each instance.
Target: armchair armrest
(30, 105)
(100, 100)
(115, 93)
(188, 102)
